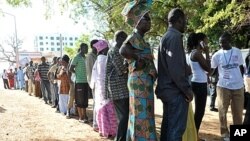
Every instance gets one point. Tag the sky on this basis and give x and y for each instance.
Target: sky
(31, 21)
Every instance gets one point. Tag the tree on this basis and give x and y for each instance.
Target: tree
(18, 2)
(209, 16)
(10, 55)
(72, 51)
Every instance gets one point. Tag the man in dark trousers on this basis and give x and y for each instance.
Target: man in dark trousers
(173, 87)
(116, 85)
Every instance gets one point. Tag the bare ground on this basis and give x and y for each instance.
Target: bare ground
(24, 117)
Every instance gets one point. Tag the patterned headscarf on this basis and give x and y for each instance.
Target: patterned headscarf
(100, 45)
(135, 10)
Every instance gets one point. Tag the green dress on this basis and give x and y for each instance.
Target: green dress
(141, 126)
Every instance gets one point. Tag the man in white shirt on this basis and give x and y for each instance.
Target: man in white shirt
(5, 79)
(230, 84)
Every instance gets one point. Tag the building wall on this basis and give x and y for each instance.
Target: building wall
(48, 42)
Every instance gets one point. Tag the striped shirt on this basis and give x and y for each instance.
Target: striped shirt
(80, 68)
(43, 70)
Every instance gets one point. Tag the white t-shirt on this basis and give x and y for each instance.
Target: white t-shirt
(228, 62)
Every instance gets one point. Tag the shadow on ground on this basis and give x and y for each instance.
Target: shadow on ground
(2, 110)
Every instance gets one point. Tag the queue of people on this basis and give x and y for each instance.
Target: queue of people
(121, 79)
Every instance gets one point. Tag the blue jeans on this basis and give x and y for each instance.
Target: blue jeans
(175, 111)
(45, 84)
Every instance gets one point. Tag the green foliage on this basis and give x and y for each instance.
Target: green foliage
(212, 17)
(18, 2)
(72, 51)
(208, 16)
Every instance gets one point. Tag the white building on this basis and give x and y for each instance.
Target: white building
(54, 42)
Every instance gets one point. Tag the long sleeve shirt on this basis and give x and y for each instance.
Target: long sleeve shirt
(172, 66)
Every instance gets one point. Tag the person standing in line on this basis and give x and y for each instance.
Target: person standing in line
(200, 67)
(90, 61)
(63, 75)
(116, 85)
(142, 73)
(71, 100)
(230, 87)
(78, 66)
(106, 119)
(30, 74)
(43, 69)
(11, 79)
(173, 86)
(26, 77)
(53, 82)
(5, 79)
(37, 79)
(20, 78)
(15, 79)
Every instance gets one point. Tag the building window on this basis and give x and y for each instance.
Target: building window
(65, 38)
(63, 43)
(70, 38)
(66, 44)
(41, 43)
(46, 43)
(41, 49)
(51, 38)
(58, 49)
(40, 37)
(46, 37)
(52, 49)
(47, 48)
(71, 44)
(57, 38)
(76, 38)
(52, 43)
(58, 44)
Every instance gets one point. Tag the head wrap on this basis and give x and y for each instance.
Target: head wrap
(135, 10)
(100, 45)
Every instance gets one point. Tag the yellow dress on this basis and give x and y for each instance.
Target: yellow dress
(190, 133)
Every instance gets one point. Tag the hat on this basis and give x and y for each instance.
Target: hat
(135, 10)
(100, 45)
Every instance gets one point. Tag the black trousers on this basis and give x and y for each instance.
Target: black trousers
(247, 114)
(6, 84)
(200, 99)
(122, 112)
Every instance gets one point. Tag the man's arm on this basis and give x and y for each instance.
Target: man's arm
(73, 65)
(117, 61)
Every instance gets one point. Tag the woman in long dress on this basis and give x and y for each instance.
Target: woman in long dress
(38, 92)
(11, 79)
(142, 74)
(106, 117)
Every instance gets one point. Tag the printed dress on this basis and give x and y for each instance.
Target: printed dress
(141, 126)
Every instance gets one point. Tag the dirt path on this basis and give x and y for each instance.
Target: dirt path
(24, 117)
